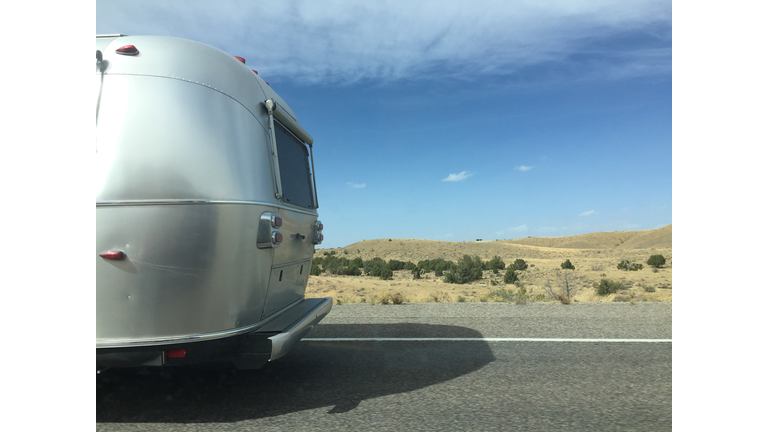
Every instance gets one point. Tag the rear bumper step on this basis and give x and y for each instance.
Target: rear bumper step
(277, 337)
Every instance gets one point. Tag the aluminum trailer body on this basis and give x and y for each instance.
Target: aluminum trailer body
(206, 209)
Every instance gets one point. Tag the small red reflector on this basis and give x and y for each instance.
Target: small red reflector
(278, 221)
(320, 227)
(278, 237)
(127, 50)
(113, 255)
(321, 238)
(240, 58)
(266, 82)
(177, 353)
(255, 72)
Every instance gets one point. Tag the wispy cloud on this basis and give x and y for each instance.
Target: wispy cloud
(457, 177)
(587, 213)
(523, 168)
(340, 41)
(356, 185)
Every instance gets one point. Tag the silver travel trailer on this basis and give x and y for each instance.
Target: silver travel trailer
(206, 209)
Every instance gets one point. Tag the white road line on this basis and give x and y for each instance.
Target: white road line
(482, 340)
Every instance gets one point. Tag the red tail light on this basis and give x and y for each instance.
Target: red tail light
(240, 58)
(177, 353)
(127, 50)
(113, 255)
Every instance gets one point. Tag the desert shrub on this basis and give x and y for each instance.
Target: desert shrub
(494, 283)
(461, 299)
(436, 265)
(607, 286)
(386, 273)
(566, 265)
(388, 298)
(468, 269)
(629, 266)
(521, 297)
(510, 276)
(334, 265)
(568, 283)
(351, 270)
(315, 270)
(440, 296)
(596, 268)
(396, 265)
(620, 299)
(655, 270)
(409, 266)
(656, 261)
(503, 294)
(520, 264)
(562, 298)
(648, 288)
(495, 263)
(374, 266)
(416, 273)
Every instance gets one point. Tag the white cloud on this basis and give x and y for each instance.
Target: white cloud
(457, 177)
(587, 213)
(356, 185)
(343, 41)
(523, 168)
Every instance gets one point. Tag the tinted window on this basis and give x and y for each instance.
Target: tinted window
(295, 175)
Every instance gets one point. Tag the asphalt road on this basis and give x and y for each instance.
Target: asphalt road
(554, 381)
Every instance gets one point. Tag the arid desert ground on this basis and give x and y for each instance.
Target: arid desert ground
(595, 256)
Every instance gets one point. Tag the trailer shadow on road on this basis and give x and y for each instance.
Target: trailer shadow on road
(333, 375)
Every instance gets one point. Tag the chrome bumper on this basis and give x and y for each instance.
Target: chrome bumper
(313, 313)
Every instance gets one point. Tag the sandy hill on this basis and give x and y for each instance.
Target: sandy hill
(619, 243)
(656, 238)
(595, 256)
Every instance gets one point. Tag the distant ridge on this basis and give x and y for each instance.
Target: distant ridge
(534, 247)
(655, 238)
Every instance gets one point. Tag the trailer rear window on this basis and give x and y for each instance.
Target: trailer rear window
(295, 174)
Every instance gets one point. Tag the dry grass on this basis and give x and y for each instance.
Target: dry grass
(592, 264)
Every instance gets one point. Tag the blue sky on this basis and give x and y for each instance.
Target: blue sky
(459, 120)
